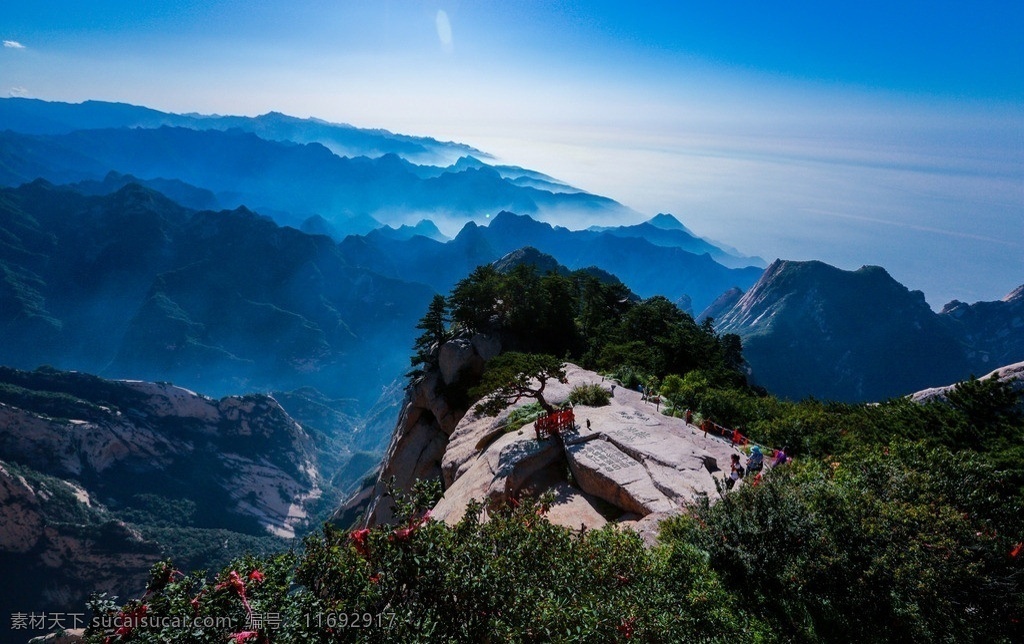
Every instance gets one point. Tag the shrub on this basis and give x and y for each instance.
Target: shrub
(516, 577)
(629, 377)
(590, 395)
(522, 415)
(894, 544)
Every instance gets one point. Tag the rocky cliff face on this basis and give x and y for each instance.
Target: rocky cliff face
(238, 455)
(99, 479)
(625, 463)
(812, 329)
(428, 417)
(57, 544)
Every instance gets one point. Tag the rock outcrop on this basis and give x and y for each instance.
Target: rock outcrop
(429, 415)
(622, 462)
(1011, 374)
(119, 438)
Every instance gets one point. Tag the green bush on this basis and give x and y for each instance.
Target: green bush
(590, 395)
(904, 543)
(629, 377)
(522, 415)
(514, 578)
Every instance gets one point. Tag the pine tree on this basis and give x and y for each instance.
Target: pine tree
(435, 332)
(513, 376)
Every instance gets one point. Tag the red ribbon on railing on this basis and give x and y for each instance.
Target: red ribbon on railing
(556, 422)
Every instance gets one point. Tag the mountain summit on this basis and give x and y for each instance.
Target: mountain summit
(808, 327)
(285, 167)
(812, 329)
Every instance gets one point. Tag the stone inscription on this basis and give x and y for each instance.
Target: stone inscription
(636, 416)
(631, 431)
(607, 458)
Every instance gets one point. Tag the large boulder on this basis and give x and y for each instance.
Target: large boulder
(428, 418)
(500, 472)
(605, 471)
(627, 460)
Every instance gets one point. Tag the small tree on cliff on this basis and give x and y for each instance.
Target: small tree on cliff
(435, 331)
(511, 377)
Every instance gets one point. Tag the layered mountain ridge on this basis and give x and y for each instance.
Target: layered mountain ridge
(648, 268)
(133, 285)
(37, 117)
(812, 329)
(282, 166)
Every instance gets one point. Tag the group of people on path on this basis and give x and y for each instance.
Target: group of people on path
(754, 466)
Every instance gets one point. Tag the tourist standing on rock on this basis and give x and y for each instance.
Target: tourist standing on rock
(781, 458)
(613, 391)
(756, 461)
(736, 472)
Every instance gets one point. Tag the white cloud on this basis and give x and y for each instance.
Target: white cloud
(444, 30)
(13, 44)
(18, 91)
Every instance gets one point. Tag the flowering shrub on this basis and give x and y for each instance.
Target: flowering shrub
(516, 577)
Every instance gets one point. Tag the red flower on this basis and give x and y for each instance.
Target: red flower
(256, 576)
(1017, 549)
(626, 627)
(359, 538)
(375, 579)
(403, 534)
(234, 582)
(241, 638)
(130, 619)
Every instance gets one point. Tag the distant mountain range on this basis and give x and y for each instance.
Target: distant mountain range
(32, 116)
(151, 261)
(663, 266)
(288, 168)
(812, 329)
(131, 284)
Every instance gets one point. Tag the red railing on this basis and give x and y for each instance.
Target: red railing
(738, 439)
(555, 422)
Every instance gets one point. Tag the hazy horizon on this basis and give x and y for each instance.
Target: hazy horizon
(869, 135)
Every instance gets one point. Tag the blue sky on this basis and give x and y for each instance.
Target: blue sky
(862, 133)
